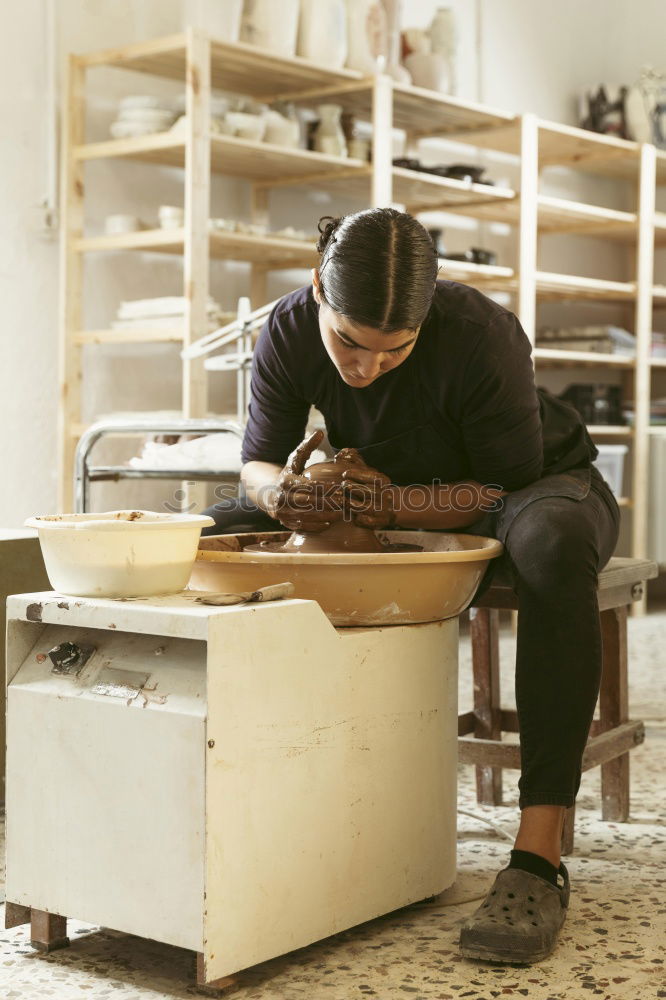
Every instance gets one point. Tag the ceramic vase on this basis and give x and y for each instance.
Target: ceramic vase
(394, 68)
(329, 137)
(429, 70)
(271, 25)
(220, 18)
(443, 41)
(322, 32)
(366, 35)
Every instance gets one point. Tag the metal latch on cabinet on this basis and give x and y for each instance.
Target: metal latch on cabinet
(70, 658)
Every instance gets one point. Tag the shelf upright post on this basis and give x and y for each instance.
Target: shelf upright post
(382, 146)
(196, 257)
(259, 214)
(71, 277)
(197, 208)
(528, 233)
(642, 387)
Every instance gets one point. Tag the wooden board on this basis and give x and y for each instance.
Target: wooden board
(235, 66)
(230, 155)
(272, 251)
(556, 215)
(551, 357)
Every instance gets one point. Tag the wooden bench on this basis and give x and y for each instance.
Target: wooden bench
(612, 735)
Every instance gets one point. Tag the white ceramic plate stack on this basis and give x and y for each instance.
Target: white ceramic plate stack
(141, 115)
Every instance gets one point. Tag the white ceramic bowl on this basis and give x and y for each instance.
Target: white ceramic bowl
(120, 553)
(146, 115)
(246, 126)
(141, 101)
(131, 130)
(121, 224)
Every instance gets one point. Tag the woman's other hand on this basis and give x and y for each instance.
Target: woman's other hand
(368, 493)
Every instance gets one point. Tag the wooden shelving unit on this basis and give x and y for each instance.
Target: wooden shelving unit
(203, 64)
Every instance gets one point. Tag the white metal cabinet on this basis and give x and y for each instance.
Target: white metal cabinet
(263, 781)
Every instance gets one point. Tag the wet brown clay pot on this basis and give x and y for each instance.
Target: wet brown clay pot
(342, 536)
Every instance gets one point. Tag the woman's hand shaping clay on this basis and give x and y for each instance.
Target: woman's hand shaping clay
(368, 493)
(295, 503)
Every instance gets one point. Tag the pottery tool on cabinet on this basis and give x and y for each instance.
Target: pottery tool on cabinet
(275, 592)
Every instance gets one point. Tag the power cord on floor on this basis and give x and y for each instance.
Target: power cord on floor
(470, 899)
(488, 822)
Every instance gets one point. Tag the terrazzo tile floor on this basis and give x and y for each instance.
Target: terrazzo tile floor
(612, 946)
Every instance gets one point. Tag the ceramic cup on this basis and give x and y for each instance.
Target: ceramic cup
(359, 149)
(246, 126)
(115, 224)
(171, 216)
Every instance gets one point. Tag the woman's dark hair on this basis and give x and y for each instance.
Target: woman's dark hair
(378, 268)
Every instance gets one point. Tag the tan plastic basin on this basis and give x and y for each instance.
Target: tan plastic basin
(387, 588)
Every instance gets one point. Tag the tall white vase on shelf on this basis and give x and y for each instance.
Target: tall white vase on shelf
(322, 32)
(220, 18)
(271, 25)
(394, 68)
(443, 41)
(367, 35)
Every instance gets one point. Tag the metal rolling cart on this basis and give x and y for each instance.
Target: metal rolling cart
(238, 332)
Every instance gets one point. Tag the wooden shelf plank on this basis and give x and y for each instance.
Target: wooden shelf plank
(624, 501)
(659, 295)
(420, 190)
(658, 362)
(271, 251)
(610, 430)
(235, 66)
(556, 215)
(481, 275)
(430, 113)
(235, 157)
(564, 145)
(264, 161)
(578, 287)
(129, 335)
(420, 111)
(551, 357)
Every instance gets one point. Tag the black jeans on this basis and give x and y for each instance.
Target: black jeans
(554, 548)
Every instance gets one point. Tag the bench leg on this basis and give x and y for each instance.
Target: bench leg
(48, 931)
(484, 629)
(613, 711)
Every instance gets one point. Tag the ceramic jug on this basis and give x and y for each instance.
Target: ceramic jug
(366, 35)
(220, 18)
(322, 32)
(271, 25)
(329, 136)
(394, 68)
(443, 43)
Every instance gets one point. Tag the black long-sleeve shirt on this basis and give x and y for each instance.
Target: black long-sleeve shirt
(463, 405)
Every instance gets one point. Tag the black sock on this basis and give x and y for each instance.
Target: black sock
(535, 864)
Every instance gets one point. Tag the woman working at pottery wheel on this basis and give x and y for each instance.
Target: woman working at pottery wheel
(432, 384)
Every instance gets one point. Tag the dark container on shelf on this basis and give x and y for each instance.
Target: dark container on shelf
(596, 403)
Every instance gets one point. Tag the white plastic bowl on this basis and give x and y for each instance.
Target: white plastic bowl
(120, 553)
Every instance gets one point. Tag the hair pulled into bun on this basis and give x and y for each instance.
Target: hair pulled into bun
(378, 267)
(327, 226)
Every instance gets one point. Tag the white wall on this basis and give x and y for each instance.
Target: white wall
(534, 56)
